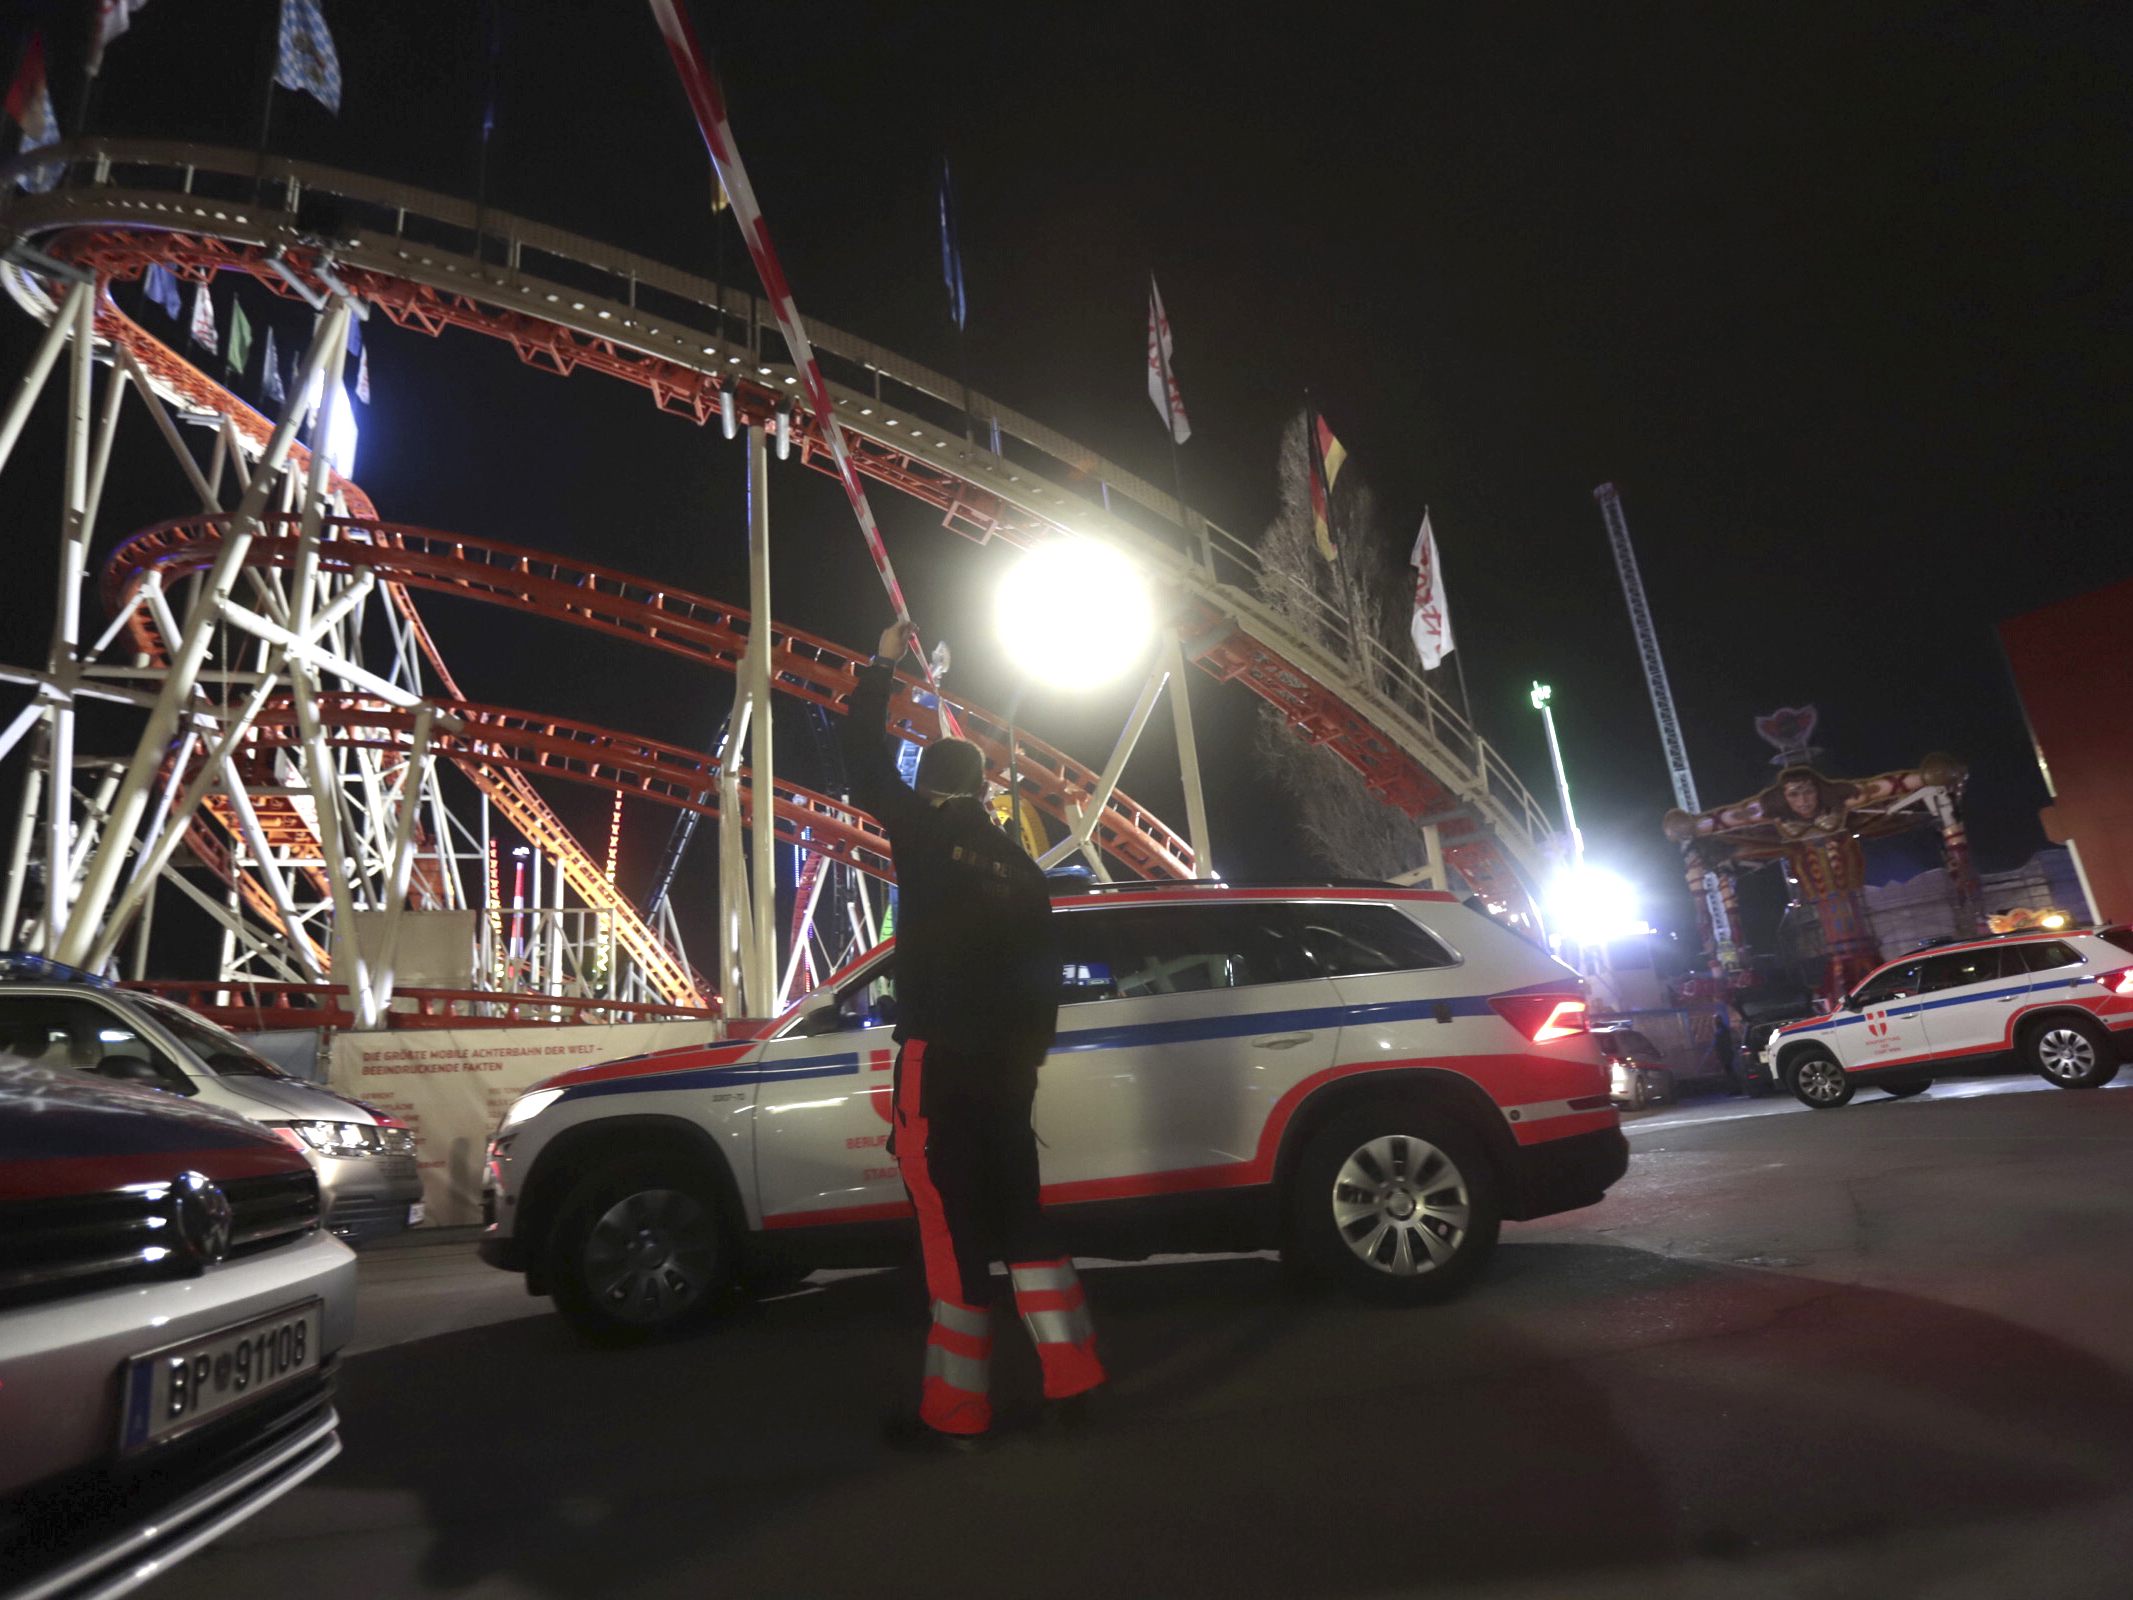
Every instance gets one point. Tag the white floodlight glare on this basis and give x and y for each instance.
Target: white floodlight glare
(1075, 614)
(1590, 905)
(341, 435)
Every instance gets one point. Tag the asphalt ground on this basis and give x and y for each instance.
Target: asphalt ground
(1881, 1351)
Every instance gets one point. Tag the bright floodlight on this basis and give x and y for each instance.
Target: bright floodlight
(1590, 905)
(1074, 614)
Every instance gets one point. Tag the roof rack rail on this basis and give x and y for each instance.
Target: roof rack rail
(1156, 885)
(1940, 940)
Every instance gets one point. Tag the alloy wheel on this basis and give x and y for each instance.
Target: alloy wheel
(1821, 1080)
(2066, 1053)
(1401, 1205)
(651, 1256)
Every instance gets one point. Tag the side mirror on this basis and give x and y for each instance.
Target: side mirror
(1853, 1003)
(129, 1069)
(820, 1015)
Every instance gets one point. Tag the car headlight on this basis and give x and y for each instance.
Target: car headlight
(1617, 1078)
(334, 1138)
(528, 1106)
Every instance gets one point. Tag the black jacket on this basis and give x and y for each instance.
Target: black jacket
(977, 970)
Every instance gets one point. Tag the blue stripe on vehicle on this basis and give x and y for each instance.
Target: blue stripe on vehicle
(831, 1066)
(1184, 1030)
(1917, 1006)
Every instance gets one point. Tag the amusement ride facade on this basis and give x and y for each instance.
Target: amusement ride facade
(300, 714)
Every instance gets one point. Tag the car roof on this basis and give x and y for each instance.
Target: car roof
(1988, 942)
(1198, 891)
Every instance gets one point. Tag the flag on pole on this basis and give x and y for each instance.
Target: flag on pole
(951, 254)
(203, 329)
(1162, 375)
(161, 287)
(304, 57)
(113, 17)
(240, 339)
(1327, 454)
(29, 102)
(1433, 617)
(270, 384)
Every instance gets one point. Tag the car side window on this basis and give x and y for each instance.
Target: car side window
(1137, 951)
(1347, 941)
(870, 1002)
(2046, 957)
(1954, 971)
(83, 1036)
(1893, 984)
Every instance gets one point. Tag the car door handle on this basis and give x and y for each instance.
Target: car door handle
(1287, 1041)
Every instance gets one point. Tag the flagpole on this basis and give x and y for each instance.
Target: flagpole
(1444, 591)
(90, 65)
(1170, 416)
(266, 110)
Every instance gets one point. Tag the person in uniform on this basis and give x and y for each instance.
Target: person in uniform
(977, 975)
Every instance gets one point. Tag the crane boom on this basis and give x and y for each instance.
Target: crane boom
(1662, 693)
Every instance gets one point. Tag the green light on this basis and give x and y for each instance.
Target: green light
(1541, 695)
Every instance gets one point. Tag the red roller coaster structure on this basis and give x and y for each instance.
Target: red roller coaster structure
(334, 786)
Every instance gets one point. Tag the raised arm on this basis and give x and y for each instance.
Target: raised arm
(876, 784)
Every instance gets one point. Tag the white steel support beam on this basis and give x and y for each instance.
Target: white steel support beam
(736, 918)
(209, 500)
(100, 460)
(755, 665)
(40, 368)
(83, 932)
(160, 847)
(18, 858)
(1203, 855)
(66, 626)
(255, 839)
(233, 925)
(94, 814)
(403, 857)
(23, 721)
(1091, 809)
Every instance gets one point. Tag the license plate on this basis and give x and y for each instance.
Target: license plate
(414, 1215)
(174, 1389)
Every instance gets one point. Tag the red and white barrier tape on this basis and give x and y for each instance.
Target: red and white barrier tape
(710, 108)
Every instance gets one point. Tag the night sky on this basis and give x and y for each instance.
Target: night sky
(1830, 292)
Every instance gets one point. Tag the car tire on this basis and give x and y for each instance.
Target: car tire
(2071, 1052)
(643, 1249)
(1904, 1088)
(1395, 1202)
(1818, 1081)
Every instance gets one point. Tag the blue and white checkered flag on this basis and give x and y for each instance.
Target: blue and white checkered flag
(305, 59)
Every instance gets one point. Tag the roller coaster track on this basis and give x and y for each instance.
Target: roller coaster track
(567, 304)
(694, 627)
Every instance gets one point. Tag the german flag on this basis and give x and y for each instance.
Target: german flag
(1327, 454)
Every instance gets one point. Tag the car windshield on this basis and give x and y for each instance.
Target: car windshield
(223, 1052)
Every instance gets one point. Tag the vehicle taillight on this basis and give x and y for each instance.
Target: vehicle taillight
(1542, 1017)
(2118, 982)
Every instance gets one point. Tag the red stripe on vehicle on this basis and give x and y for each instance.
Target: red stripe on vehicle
(1260, 1168)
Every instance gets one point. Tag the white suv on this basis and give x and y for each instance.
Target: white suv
(2060, 1003)
(1372, 1079)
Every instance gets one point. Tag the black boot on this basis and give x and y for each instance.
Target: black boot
(907, 1433)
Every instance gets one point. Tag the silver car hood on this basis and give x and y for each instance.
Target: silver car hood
(290, 1100)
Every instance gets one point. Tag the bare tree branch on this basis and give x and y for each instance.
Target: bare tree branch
(1346, 828)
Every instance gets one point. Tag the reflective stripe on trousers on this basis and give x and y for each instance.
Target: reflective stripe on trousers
(1048, 1296)
(955, 1393)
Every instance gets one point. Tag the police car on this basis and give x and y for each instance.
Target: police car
(1372, 1079)
(2060, 1004)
